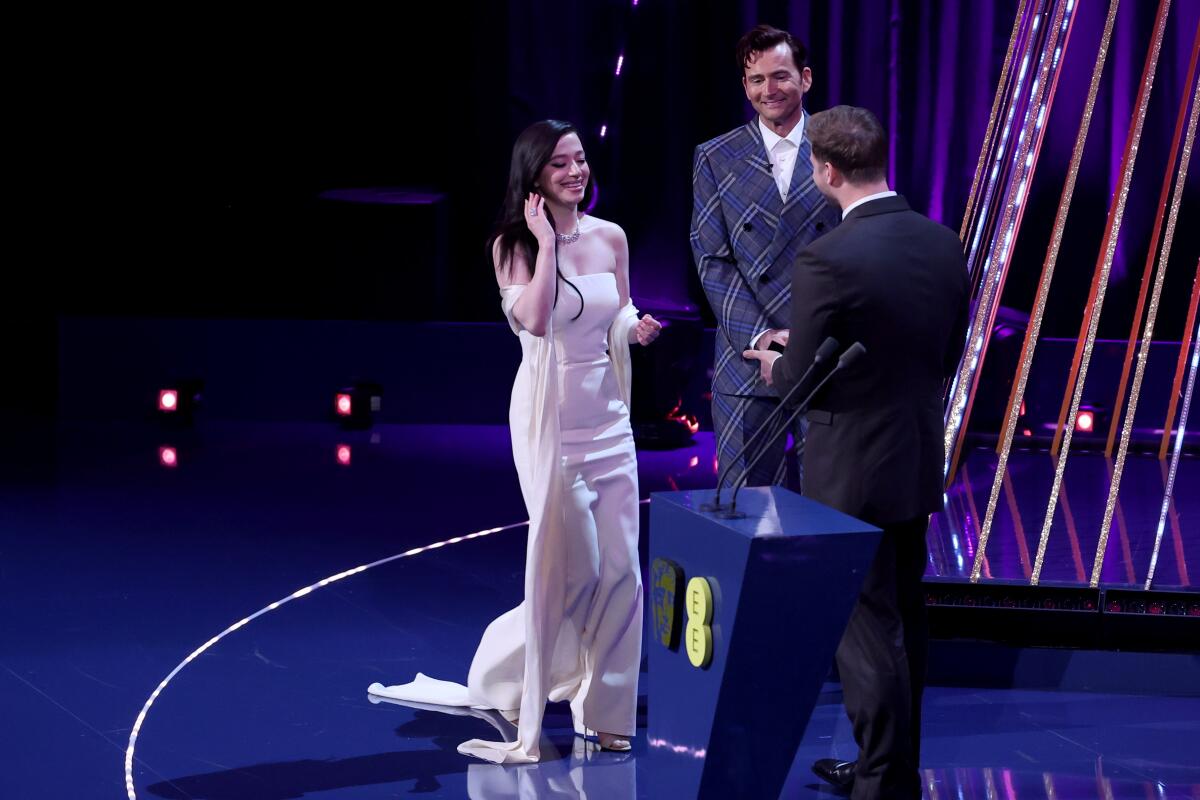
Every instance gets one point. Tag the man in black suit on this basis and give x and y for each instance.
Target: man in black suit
(897, 282)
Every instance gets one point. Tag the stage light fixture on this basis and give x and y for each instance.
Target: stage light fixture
(354, 406)
(178, 401)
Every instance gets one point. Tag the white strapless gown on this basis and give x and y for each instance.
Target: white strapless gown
(578, 632)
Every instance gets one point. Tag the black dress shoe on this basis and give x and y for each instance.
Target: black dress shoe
(835, 772)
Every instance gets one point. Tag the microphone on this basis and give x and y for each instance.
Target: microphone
(853, 353)
(824, 353)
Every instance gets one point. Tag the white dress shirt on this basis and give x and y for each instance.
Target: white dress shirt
(782, 152)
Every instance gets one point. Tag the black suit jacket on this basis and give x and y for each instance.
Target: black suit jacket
(897, 282)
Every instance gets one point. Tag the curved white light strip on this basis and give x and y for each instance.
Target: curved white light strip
(141, 717)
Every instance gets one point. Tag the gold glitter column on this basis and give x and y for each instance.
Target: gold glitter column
(1021, 379)
(1103, 265)
(1148, 337)
(1001, 86)
(1150, 251)
(998, 245)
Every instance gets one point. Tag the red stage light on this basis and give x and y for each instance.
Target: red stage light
(168, 400)
(1085, 422)
(344, 405)
(688, 420)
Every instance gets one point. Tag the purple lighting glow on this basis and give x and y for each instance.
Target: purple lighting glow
(620, 63)
(603, 131)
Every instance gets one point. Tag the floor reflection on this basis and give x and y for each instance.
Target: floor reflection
(584, 773)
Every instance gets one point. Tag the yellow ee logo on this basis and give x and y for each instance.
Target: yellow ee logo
(698, 635)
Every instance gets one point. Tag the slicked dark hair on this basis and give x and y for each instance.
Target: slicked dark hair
(764, 37)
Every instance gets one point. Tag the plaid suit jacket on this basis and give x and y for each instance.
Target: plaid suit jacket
(744, 239)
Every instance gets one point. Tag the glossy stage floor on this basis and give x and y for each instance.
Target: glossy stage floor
(132, 559)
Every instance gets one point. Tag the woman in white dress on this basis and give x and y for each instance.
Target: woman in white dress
(564, 285)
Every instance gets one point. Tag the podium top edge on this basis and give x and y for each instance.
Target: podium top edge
(770, 511)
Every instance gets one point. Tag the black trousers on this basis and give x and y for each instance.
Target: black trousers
(881, 660)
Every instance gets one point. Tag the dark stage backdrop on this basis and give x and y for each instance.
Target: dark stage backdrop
(174, 165)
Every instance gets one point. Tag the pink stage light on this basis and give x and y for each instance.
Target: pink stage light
(343, 405)
(343, 454)
(168, 400)
(168, 457)
(1085, 422)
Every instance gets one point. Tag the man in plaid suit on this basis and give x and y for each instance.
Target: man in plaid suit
(754, 208)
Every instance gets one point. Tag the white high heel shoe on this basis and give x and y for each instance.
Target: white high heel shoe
(614, 742)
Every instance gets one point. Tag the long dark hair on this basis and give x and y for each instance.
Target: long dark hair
(532, 151)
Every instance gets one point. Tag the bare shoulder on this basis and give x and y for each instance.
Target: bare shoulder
(611, 232)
